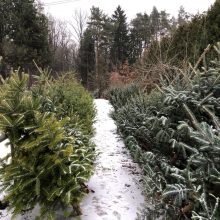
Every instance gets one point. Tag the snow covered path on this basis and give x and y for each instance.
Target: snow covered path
(117, 190)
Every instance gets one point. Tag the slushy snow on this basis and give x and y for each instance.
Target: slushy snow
(115, 187)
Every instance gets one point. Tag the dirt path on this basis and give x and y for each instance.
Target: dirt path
(117, 190)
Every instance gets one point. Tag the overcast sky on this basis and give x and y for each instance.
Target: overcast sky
(64, 9)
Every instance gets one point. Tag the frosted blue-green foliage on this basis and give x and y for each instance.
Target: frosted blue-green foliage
(174, 133)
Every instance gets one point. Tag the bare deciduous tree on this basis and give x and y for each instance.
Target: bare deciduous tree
(63, 47)
(78, 24)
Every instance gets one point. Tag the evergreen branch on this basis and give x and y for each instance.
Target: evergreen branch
(212, 116)
(192, 117)
(202, 56)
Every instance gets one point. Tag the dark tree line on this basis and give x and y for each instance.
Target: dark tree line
(188, 40)
(27, 34)
(107, 42)
(23, 35)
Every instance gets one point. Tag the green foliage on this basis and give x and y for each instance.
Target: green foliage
(174, 135)
(73, 101)
(24, 34)
(99, 29)
(119, 47)
(188, 40)
(110, 43)
(51, 155)
(118, 97)
(86, 58)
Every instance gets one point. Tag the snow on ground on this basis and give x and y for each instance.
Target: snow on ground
(116, 191)
(4, 149)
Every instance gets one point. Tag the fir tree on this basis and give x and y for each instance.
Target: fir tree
(139, 37)
(119, 47)
(183, 16)
(100, 27)
(141, 24)
(154, 23)
(86, 58)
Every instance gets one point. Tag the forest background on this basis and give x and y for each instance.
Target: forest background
(106, 49)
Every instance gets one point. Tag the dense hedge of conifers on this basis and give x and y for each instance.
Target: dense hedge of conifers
(49, 128)
(174, 133)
